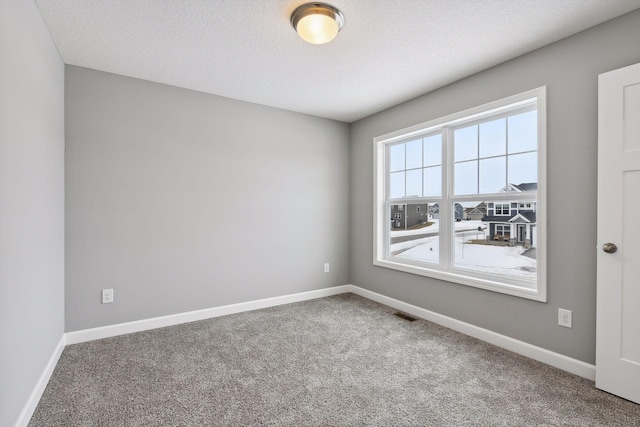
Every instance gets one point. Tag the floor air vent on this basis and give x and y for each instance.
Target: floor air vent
(405, 316)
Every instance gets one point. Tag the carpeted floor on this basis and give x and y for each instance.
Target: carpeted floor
(336, 361)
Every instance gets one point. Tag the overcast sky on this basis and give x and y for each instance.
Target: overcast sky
(487, 157)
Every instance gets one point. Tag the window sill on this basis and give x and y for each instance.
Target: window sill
(518, 290)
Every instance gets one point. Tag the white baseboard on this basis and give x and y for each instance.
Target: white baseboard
(556, 360)
(30, 407)
(192, 316)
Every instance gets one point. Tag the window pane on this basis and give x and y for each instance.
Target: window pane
(396, 161)
(523, 132)
(414, 183)
(466, 178)
(414, 154)
(466, 143)
(493, 138)
(433, 150)
(415, 232)
(432, 181)
(502, 209)
(493, 174)
(396, 184)
(496, 248)
(523, 168)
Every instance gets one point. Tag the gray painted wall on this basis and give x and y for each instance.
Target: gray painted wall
(569, 69)
(181, 201)
(31, 203)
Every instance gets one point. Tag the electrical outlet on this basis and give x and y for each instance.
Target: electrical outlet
(326, 267)
(564, 317)
(107, 296)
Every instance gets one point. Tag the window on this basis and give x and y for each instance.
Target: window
(491, 158)
(501, 232)
(502, 209)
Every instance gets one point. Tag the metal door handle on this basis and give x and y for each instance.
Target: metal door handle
(609, 248)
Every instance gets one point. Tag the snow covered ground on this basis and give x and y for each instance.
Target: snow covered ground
(503, 260)
(435, 227)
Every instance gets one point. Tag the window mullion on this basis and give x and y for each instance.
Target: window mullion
(422, 163)
(506, 154)
(405, 168)
(445, 205)
(387, 229)
(387, 172)
(478, 159)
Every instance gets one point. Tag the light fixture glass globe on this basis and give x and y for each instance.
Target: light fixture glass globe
(317, 23)
(317, 29)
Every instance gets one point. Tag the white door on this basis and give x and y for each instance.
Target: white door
(618, 298)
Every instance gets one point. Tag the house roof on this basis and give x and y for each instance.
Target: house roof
(527, 186)
(476, 210)
(480, 207)
(529, 216)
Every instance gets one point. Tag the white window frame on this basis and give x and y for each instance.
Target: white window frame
(445, 270)
(502, 209)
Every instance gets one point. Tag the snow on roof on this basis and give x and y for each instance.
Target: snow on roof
(525, 186)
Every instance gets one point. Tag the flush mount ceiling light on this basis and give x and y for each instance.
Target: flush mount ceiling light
(317, 23)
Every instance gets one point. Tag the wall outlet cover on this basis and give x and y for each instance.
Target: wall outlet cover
(564, 317)
(107, 296)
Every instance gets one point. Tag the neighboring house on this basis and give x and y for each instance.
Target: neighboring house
(475, 213)
(435, 211)
(513, 222)
(408, 215)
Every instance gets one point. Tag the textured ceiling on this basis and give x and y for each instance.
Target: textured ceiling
(389, 50)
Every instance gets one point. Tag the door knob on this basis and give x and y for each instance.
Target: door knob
(609, 248)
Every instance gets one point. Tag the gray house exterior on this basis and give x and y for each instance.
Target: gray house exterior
(513, 222)
(408, 215)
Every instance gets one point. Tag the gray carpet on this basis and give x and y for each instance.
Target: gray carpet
(337, 361)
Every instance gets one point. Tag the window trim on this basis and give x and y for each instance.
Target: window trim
(502, 209)
(381, 257)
